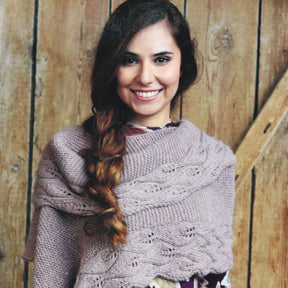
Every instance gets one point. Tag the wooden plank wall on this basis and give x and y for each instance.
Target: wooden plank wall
(270, 177)
(16, 45)
(46, 52)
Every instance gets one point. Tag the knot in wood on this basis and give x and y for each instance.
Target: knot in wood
(226, 39)
(220, 40)
(15, 168)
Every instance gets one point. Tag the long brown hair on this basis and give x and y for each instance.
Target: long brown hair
(105, 158)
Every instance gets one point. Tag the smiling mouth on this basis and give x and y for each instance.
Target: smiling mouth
(146, 94)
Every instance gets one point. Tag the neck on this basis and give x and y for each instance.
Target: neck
(150, 122)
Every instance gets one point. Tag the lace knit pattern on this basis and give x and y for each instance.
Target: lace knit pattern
(177, 196)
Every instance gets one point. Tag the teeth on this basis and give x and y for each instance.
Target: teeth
(147, 94)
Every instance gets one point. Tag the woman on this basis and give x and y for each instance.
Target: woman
(130, 199)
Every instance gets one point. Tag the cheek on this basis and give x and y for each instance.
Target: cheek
(124, 77)
(122, 83)
(171, 77)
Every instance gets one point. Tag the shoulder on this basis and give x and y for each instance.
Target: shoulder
(62, 169)
(70, 140)
(62, 156)
(216, 150)
(74, 137)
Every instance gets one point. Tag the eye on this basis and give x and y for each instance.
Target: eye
(162, 59)
(129, 60)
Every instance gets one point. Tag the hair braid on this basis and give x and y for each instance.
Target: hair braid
(105, 162)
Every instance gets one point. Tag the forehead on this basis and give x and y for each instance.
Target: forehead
(154, 38)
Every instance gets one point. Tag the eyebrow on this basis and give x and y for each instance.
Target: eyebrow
(164, 53)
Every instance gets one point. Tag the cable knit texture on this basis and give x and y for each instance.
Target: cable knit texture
(177, 196)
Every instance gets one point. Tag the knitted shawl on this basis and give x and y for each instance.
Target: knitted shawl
(177, 196)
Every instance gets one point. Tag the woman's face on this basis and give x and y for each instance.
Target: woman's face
(148, 77)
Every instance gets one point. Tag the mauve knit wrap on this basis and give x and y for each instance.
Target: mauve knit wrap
(177, 196)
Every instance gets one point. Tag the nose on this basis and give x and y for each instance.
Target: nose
(146, 74)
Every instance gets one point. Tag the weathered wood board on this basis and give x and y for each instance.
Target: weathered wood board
(269, 257)
(273, 47)
(262, 130)
(222, 102)
(241, 231)
(67, 36)
(16, 34)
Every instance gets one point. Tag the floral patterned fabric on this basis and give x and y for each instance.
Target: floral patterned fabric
(209, 281)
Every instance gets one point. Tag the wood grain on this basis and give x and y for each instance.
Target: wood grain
(241, 232)
(274, 47)
(262, 130)
(269, 258)
(16, 33)
(221, 103)
(115, 4)
(67, 36)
